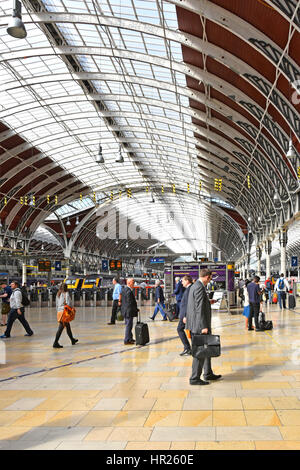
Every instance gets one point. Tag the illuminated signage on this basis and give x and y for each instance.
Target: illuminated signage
(44, 265)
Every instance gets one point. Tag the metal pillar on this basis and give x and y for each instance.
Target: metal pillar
(24, 273)
(258, 255)
(283, 243)
(268, 250)
(67, 267)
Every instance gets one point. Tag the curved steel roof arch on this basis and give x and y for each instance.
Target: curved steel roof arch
(291, 117)
(255, 148)
(275, 131)
(242, 29)
(197, 114)
(225, 57)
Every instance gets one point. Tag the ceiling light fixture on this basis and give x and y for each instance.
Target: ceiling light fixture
(120, 158)
(99, 158)
(68, 221)
(77, 221)
(15, 27)
(291, 151)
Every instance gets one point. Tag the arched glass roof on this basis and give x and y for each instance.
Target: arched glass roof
(195, 94)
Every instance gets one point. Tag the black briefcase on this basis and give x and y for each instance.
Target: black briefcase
(206, 346)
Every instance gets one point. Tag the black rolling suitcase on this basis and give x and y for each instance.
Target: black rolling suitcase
(292, 301)
(263, 323)
(141, 333)
(171, 312)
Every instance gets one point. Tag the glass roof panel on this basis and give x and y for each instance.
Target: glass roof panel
(109, 97)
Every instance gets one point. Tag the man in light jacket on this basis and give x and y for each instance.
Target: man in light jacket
(282, 287)
(198, 321)
(17, 311)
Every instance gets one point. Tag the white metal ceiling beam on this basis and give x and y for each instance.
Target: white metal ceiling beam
(212, 11)
(195, 72)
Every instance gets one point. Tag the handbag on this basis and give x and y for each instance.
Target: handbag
(68, 314)
(206, 346)
(120, 316)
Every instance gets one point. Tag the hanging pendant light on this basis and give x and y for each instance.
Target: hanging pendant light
(77, 221)
(291, 151)
(120, 158)
(276, 196)
(68, 221)
(99, 158)
(15, 27)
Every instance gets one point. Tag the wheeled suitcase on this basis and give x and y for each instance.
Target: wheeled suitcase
(292, 301)
(171, 312)
(141, 333)
(263, 323)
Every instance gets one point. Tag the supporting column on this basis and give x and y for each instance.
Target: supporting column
(248, 265)
(258, 255)
(268, 250)
(24, 273)
(243, 271)
(283, 243)
(67, 267)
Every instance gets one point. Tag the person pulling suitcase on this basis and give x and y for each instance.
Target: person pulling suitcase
(129, 310)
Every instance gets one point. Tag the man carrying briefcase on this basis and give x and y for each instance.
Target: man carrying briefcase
(198, 321)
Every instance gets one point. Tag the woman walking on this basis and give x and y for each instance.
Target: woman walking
(62, 299)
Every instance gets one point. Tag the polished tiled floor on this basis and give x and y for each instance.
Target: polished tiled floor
(101, 394)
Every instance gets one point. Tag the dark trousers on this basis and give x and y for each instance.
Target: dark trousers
(282, 298)
(128, 329)
(115, 307)
(201, 364)
(182, 335)
(177, 308)
(13, 316)
(254, 313)
(60, 330)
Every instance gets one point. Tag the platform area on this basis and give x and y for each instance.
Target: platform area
(101, 394)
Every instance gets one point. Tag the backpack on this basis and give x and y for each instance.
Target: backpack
(281, 284)
(268, 285)
(25, 301)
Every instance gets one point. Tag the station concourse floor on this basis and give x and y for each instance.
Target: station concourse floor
(101, 394)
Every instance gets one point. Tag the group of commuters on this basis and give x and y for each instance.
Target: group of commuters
(253, 297)
(193, 307)
(13, 309)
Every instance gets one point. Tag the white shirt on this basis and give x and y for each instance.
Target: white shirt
(286, 285)
(246, 296)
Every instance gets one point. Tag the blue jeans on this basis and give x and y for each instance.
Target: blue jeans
(159, 307)
(282, 297)
(269, 293)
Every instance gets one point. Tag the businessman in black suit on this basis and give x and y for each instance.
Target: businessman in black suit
(198, 321)
(129, 310)
(187, 282)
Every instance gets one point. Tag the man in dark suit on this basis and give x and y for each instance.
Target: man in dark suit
(178, 292)
(187, 282)
(198, 321)
(129, 310)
